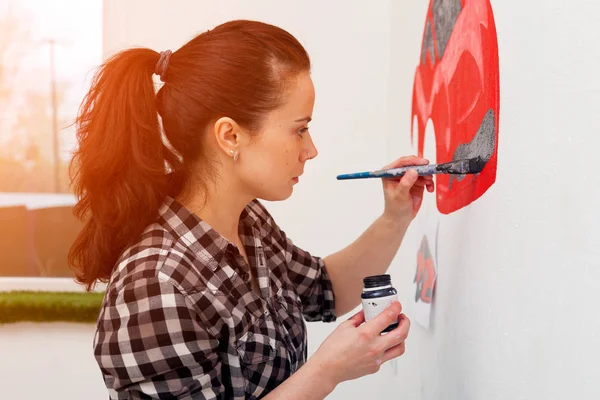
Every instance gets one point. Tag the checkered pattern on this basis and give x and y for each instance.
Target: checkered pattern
(180, 320)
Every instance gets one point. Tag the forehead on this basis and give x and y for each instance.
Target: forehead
(300, 96)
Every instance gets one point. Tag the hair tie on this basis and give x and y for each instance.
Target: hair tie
(163, 64)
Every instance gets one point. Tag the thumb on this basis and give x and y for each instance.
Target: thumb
(357, 318)
(384, 319)
(408, 180)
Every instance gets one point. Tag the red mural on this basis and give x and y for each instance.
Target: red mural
(457, 86)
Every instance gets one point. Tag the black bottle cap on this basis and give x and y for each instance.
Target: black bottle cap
(377, 280)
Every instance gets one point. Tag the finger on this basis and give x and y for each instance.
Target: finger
(418, 186)
(357, 319)
(420, 183)
(406, 161)
(397, 335)
(430, 187)
(408, 180)
(425, 182)
(429, 183)
(394, 352)
(417, 190)
(384, 319)
(422, 180)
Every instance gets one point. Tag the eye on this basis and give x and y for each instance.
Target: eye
(303, 130)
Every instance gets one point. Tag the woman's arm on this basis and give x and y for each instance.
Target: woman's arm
(373, 252)
(370, 254)
(310, 382)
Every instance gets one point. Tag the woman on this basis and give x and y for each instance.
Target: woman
(206, 295)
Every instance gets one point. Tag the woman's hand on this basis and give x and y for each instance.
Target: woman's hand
(354, 350)
(404, 196)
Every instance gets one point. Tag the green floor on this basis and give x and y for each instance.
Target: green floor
(20, 306)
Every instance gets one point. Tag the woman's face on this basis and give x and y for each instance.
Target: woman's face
(273, 160)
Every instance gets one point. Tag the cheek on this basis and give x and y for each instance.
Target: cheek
(278, 156)
(290, 155)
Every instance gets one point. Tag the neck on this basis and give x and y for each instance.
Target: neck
(222, 209)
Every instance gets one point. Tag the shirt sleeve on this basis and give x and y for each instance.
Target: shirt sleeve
(309, 275)
(151, 343)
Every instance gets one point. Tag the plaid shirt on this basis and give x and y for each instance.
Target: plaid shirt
(180, 320)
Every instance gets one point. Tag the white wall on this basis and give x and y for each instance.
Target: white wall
(516, 312)
(36, 200)
(8, 284)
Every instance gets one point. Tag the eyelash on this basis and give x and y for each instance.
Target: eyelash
(301, 131)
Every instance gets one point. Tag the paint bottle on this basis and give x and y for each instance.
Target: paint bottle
(378, 294)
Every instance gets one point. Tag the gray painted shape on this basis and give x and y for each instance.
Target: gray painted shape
(482, 145)
(445, 14)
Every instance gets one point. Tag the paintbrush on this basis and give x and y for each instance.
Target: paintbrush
(458, 167)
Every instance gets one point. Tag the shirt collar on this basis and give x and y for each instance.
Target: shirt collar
(199, 236)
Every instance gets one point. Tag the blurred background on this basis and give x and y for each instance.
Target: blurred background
(513, 314)
(48, 51)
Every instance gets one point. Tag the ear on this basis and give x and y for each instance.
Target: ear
(228, 135)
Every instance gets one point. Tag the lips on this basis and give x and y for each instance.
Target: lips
(457, 87)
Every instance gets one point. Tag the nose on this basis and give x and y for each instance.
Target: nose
(310, 151)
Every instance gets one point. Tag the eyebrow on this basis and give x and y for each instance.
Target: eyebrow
(307, 119)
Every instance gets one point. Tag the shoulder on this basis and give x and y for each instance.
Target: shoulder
(156, 254)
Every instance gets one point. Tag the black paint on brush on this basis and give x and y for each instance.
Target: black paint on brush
(469, 166)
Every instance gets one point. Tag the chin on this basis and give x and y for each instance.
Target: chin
(277, 195)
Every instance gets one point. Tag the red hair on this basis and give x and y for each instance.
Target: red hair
(124, 167)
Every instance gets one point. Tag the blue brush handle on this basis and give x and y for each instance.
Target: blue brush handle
(392, 173)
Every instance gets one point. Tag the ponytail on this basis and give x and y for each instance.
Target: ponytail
(118, 172)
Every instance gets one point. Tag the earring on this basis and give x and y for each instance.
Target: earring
(235, 154)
